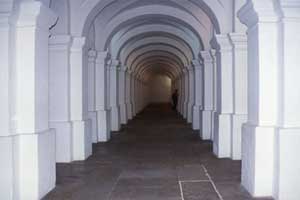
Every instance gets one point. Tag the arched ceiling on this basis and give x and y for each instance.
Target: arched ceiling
(152, 36)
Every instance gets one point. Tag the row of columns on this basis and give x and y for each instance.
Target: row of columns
(213, 91)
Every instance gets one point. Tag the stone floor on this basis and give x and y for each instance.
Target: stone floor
(157, 156)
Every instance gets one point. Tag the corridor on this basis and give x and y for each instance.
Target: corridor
(156, 156)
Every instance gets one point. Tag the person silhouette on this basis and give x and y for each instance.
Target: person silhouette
(175, 99)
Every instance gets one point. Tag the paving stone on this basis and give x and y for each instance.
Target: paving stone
(146, 160)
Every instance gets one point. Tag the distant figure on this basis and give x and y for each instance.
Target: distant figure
(175, 99)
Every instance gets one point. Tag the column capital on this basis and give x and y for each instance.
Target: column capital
(35, 13)
(206, 56)
(114, 63)
(255, 11)
(190, 68)
(60, 42)
(185, 70)
(222, 42)
(92, 53)
(197, 64)
(239, 40)
(123, 69)
(77, 44)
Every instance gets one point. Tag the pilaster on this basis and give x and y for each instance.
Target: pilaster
(128, 94)
(197, 108)
(186, 93)
(59, 101)
(92, 114)
(102, 92)
(239, 117)
(207, 119)
(222, 135)
(33, 141)
(259, 132)
(122, 95)
(191, 99)
(114, 104)
(82, 144)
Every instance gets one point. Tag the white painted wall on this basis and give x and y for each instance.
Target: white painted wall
(160, 89)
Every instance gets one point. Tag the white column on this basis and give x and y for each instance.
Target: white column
(122, 95)
(197, 108)
(102, 105)
(222, 137)
(207, 118)
(59, 99)
(82, 144)
(239, 117)
(215, 94)
(287, 148)
(191, 99)
(114, 104)
(182, 94)
(33, 142)
(132, 93)
(260, 130)
(92, 114)
(186, 93)
(128, 92)
(6, 139)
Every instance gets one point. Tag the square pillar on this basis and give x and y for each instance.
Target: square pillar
(287, 139)
(33, 143)
(239, 117)
(207, 119)
(122, 95)
(82, 139)
(186, 93)
(102, 105)
(128, 92)
(114, 104)
(6, 139)
(132, 93)
(258, 134)
(222, 135)
(191, 98)
(197, 108)
(92, 114)
(59, 101)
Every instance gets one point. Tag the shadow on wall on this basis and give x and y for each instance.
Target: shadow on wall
(160, 89)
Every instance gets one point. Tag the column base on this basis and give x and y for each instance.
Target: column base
(236, 139)
(190, 113)
(103, 119)
(92, 115)
(115, 118)
(64, 145)
(34, 165)
(129, 111)
(222, 136)
(206, 132)
(185, 110)
(258, 159)
(82, 140)
(214, 124)
(6, 169)
(123, 113)
(287, 166)
(197, 117)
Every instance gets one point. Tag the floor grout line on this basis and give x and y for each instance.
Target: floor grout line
(114, 187)
(194, 181)
(212, 183)
(181, 190)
